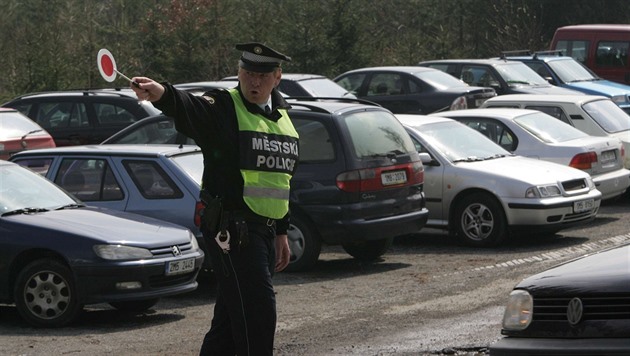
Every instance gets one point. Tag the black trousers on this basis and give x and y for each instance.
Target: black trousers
(244, 321)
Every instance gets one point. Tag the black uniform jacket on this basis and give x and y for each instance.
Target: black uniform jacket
(211, 121)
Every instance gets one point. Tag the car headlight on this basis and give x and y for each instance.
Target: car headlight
(121, 252)
(619, 99)
(519, 311)
(543, 191)
(193, 241)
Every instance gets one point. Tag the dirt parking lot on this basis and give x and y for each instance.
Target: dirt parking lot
(427, 296)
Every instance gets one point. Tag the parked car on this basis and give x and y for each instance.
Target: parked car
(505, 77)
(201, 87)
(307, 85)
(58, 254)
(358, 183)
(534, 134)
(156, 129)
(82, 116)
(601, 47)
(412, 89)
(159, 181)
(482, 193)
(19, 133)
(594, 115)
(566, 72)
(576, 308)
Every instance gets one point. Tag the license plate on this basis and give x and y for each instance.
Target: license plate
(180, 266)
(394, 177)
(583, 205)
(608, 156)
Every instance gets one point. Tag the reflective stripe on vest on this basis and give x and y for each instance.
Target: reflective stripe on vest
(268, 157)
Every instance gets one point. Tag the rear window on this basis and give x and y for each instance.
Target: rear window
(376, 134)
(13, 124)
(608, 115)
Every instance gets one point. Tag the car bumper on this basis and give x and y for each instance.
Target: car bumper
(98, 284)
(531, 346)
(612, 184)
(551, 213)
(339, 231)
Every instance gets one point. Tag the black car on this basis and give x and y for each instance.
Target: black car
(505, 77)
(79, 117)
(578, 308)
(359, 181)
(412, 90)
(57, 254)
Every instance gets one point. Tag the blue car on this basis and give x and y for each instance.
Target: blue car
(57, 254)
(566, 72)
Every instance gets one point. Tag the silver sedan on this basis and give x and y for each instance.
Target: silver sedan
(483, 193)
(534, 134)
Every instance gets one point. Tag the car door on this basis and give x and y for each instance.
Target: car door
(392, 91)
(433, 184)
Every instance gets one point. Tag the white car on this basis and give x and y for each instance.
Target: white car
(595, 115)
(480, 192)
(534, 134)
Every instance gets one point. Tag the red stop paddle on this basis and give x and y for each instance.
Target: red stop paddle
(107, 67)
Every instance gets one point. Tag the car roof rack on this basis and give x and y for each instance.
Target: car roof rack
(522, 52)
(555, 52)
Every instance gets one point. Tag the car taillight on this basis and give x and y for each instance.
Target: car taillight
(583, 160)
(371, 179)
(459, 103)
(198, 208)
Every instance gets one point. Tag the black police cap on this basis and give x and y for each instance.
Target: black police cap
(257, 57)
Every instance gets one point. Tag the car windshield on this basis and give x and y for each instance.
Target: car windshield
(23, 189)
(548, 129)
(517, 73)
(608, 115)
(14, 125)
(570, 71)
(458, 142)
(192, 164)
(440, 80)
(377, 134)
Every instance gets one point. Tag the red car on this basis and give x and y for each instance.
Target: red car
(19, 133)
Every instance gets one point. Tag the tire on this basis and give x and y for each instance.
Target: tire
(135, 306)
(368, 251)
(480, 221)
(305, 244)
(45, 294)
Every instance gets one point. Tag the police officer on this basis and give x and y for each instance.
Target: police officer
(250, 150)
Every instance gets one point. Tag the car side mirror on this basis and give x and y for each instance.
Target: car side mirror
(427, 160)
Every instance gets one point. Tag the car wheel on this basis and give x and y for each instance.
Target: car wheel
(480, 221)
(135, 306)
(368, 250)
(304, 243)
(45, 294)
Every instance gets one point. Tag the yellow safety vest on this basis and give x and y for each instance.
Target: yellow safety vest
(268, 158)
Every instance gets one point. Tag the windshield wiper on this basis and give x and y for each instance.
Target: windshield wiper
(31, 132)
(25, 211)
(498, 155)
(518, 82)
(469, 159)
(390, 154)
(70, 206)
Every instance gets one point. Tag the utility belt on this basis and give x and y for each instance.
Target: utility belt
(215, 218)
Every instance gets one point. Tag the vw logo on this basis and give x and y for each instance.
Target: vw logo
(176, 251)
(575, 311)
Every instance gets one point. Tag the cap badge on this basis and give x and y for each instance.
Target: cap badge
(257, 50)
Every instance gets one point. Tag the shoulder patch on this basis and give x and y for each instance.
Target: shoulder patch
(209, 99)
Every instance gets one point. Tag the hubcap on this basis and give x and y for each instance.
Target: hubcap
(477, 222)
(47, 295)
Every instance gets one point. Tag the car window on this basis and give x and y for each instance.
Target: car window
(51, 115)
(13, 124)
(439, 80)
(574, 48)
(108, 114)
(39, 165)
(384, 84)
(151, 180)
(315, 142)
(156, 132)
(480, 76)
(376, 133)
(548, 130)
(352, 82)
(517, 73)
(88, 179)
(554, 111)
(292, 88)
(494, 130)
(608, 115)
(571, 71)
(612, 54)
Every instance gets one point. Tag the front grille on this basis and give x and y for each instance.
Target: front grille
(575, 184)
(166, 251)
(594, 308)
